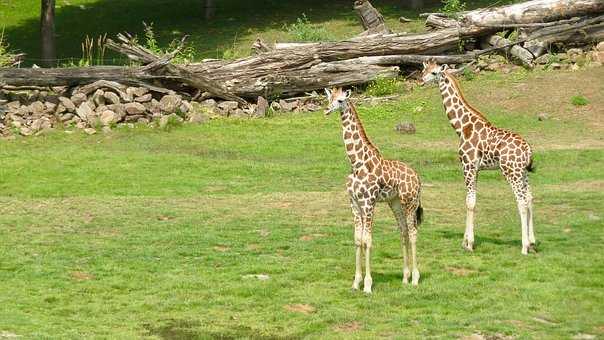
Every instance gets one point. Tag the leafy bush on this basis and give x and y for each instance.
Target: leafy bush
(452, 8)
(579, 100)
(184, 56)
(384, 87)
(303, 30)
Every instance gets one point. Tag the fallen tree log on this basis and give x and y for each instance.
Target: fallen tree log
(517, 51)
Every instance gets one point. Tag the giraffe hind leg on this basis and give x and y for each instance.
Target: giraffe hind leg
(397, 210)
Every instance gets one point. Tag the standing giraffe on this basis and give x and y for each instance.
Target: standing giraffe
(482, 146)
(374, 179)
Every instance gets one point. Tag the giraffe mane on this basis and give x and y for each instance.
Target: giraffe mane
(463, 99)
(362, 132)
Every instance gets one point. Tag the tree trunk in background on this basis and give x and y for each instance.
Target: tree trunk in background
(209, 9)
(47, 33)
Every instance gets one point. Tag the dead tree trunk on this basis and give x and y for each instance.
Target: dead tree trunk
(371, 19)
(47, 33)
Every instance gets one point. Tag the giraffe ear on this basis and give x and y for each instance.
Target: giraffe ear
(347, 94)
(328, 93)
(444, 67)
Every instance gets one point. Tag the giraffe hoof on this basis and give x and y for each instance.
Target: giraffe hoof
(367, 291)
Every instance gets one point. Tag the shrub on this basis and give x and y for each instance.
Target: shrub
(579, 100)
(303, 30)
(452, 8)
(384, 87)
(6, 57)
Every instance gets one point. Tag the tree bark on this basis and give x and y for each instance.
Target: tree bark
(47, 33)
(371, 19)
(517, 51)
(532, 12)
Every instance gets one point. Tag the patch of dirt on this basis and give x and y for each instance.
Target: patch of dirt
(544, 320)
(348, 327)
(8, 335)
(480, 336)
(222, 248)
(583, 336)
(81, 276)
(264, 232)
(175, 329)
(461, 271)
(300, 308)
(253, 247)
(311, 237)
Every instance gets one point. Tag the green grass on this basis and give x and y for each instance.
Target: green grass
(579, 100)
(148, 233)
(230, 34)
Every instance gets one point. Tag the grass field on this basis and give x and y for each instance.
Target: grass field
(144, 233)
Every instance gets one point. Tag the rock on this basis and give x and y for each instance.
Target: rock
(99, 97)
(37, 108)
(405, 128)
(69, 104)
(170, 103)
(50, 107)
(154, 107)
(144, 98)
(134, 108)
(261, 107)
(111, 98)
(100, 109)
(228, 106)
(84, 111)
(81, 125)
(284, 105)
(60, 109)
(574, 54)
(555, 66)
(238, 113)
(598, 56)
(14, 105)
(119, 109)
(275, 106)
(210, 103)
(163, 121)
(312, 107)
(575, 67)
(66, 117)
(137, 91)
(403, 20)
(41, 124)
(198, 118)
(25, 131)
(23, 111)
(185, 107)
(133, 118)
(542, 116)
(109, 117)
(90, 131)
(77, 99)
(142, 121)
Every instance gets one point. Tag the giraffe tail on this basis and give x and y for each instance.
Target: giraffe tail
(530, 167)
(419, 214)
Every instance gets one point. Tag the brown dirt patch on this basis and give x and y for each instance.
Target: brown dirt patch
(222, 248)
(300, 308)
(311, 237)
(81, 276)
(348, 327)
(461, 271)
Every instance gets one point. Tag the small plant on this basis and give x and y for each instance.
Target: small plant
(468, 74)
(579, 100)
(453, 8)
(303, 30)
(93, 51)
(184, 56)
(384, 87)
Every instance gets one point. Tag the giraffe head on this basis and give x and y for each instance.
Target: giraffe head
(336, 98)
(432, 71)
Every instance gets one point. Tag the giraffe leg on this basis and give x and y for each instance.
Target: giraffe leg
(470, 180)
(531, 230)
(358, 230)
(515, 178)
(397, 210)
(412, 238)
(367, 230)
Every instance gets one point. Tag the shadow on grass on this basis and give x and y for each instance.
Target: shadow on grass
(478, 240)
(234, 20)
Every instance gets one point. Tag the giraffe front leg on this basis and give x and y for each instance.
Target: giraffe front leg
(358, 233)
(412, 239)
(531, 230)
(470, 179)
(367, 230)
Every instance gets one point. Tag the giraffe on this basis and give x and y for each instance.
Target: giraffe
(482, 146)
(375, 179)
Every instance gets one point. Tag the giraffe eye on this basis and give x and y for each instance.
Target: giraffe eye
(433, 72)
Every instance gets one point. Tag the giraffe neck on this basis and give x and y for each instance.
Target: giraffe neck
(358, 146)
(459, 111)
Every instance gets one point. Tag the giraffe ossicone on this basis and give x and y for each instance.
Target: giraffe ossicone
(375, 179)
(482, 146)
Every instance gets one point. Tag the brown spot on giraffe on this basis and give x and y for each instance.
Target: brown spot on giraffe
(488, 147)
(376, 179)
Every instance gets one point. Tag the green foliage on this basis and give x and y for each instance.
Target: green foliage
(303, 30)
(384, 87)
(468, 74)
(184, 56)
(579, 100)
(452, 8)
